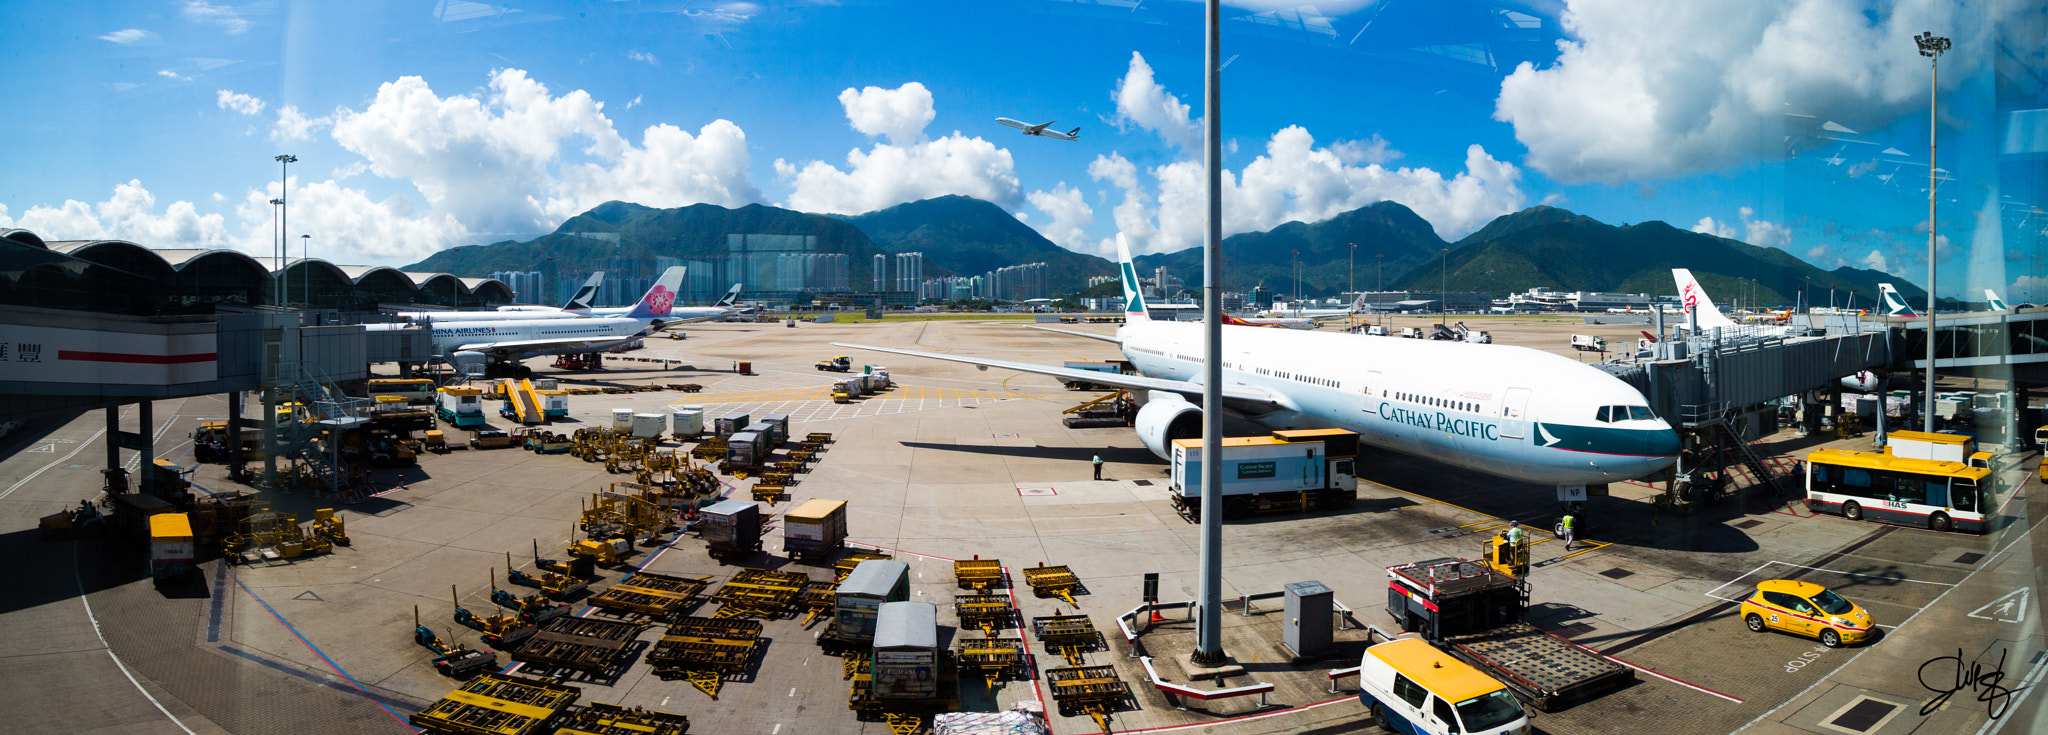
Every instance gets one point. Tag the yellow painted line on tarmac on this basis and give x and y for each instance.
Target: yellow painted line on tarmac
(1601, 546)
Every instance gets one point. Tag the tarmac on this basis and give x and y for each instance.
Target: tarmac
(957, 463)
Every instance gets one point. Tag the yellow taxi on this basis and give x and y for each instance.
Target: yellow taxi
(1807, 609)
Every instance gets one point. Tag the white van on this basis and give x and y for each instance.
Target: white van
(1411, 687)
(1376, 331)
(1589, 342)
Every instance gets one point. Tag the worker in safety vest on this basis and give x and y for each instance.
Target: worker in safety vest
(1098, 467)
(1566, 529)
(1514, 533)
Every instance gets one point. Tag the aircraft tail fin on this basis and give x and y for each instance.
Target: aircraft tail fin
(1134, 293)
(731, 297)
(1696, 301)
(1894, 303)
(1358, 304)
(585, 294)
(661, 297)
(1075, 133)
(1997, 304)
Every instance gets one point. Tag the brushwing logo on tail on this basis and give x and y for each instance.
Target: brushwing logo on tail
(1895, 305)
(1132, 305)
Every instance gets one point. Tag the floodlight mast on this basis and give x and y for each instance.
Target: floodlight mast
(1931, 46)
(1209, 624)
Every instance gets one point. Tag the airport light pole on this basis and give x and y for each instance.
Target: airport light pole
(1931, 46)
(284, 185)
(1297, 280)
(1209, 626)
(305, 281)
(276, 252)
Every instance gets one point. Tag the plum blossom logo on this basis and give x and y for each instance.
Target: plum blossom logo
(659, 299)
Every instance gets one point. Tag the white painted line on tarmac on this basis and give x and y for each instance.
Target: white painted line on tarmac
(80, 579)
(66, 458)
(1710, 593)
(2027, 686)
(1860, 574)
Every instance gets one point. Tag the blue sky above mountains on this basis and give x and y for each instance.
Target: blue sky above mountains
(1798, 124)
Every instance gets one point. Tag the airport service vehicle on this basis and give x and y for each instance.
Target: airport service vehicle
(1412, 332)
(170, 546)
(1503, 410)
(1473, 610)
(1931, 480)
(1411, 687)
(838, 364)
(1113, 367)
(412, 390)
(1806, 609)
(461, 407)
(1376, 331)
(1285, 471)
(1589, 343)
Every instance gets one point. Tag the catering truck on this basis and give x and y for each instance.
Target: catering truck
(1296, 470)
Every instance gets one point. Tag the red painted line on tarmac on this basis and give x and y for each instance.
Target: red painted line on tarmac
(1023, 631)
(912, 553)
(1239, 718)
(1674, 680)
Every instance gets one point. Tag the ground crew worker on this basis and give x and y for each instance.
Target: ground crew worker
(1514, 533)
(1098, 467)
(1565, 530)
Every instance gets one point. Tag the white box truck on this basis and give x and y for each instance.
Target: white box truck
(1296, 470)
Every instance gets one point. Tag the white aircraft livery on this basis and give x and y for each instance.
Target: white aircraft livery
(1040, 129)
(1511, 412)
(584, 295)
(1997, 304)
(470, 344)
(1894, 304)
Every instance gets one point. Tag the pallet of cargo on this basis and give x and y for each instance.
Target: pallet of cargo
(993, 658)
(978, 573)
(654, 595)
(759, 593)
(706, 651)
(1070, 636)
(819, 437)
(853, 559)
(1056, 581)
(818, 599)
(610, 719)
(497, 704)
(778, 477)
(988, 612)
(1545, 669)
(579, 644)
(904, 716)
(1094, 690)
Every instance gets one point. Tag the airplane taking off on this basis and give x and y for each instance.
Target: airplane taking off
(1505, 411)
(471, 346)
(1040, 130)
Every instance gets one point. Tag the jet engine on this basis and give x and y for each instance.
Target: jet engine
(1167, 417)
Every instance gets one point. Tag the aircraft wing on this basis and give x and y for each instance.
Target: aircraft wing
(1103, 337)
(542, 344)
(1246, 398)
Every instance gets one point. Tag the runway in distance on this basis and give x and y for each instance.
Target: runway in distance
(1039, 129)
(470, 346)
(1505, 411)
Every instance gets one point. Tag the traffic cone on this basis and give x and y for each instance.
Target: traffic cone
(1156, 618)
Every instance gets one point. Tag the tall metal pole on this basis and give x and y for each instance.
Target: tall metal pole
(305, 281)
(1931, 47)
(284, 184)
(1209, 627)
(1354, 268)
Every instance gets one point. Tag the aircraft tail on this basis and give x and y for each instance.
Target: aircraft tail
(731, 298)
(585, 295)
(1075, 133)
(1894, 304)
(1358, 304)
(1696, 301)
(1134, 293)
(659, 299)
(1997, 304)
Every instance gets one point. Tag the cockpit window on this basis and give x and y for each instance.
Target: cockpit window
(1603, 416)
(1641, 413)
(1616, 414)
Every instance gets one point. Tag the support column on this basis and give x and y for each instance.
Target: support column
(147, 430)
(113, 426)
(269, 423)
(234, 450)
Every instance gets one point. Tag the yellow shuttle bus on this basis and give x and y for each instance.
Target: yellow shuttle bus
(1936, 494)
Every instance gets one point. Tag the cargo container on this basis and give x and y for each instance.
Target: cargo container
(648, 425)
(687, 423)
(132, 512)
(815, 529)
(880, 376)
(906, 662)
(554, 403)
(1111, 367)
(1288, 470)
(730, 425)
(780, 424)
(731, 527)
(170, 546)
(622, 420)
(747, 449)
(859, 599)
(461, 406)
(1937, 447)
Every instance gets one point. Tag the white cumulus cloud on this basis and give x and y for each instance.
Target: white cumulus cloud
(899, 114)
(346, 225)
(1142, 101)
(129, 214)
(1070, 214)
(1758, 232)
(200, 11)
(238, 102)
(1718, 229)
(1644, 90)
(1875, 261)
(496, 162)
(1133, 214)
(293, 125)
(905, 169)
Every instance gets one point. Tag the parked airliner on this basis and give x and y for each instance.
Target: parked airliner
(584, 296)
(469, 346)
(726, 305)
(1510, 412)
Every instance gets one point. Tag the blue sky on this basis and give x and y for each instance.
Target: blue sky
(1798, 124)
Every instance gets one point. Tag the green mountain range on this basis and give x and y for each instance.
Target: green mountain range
(1557, 249)
(1391, 240)
(971, 237)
